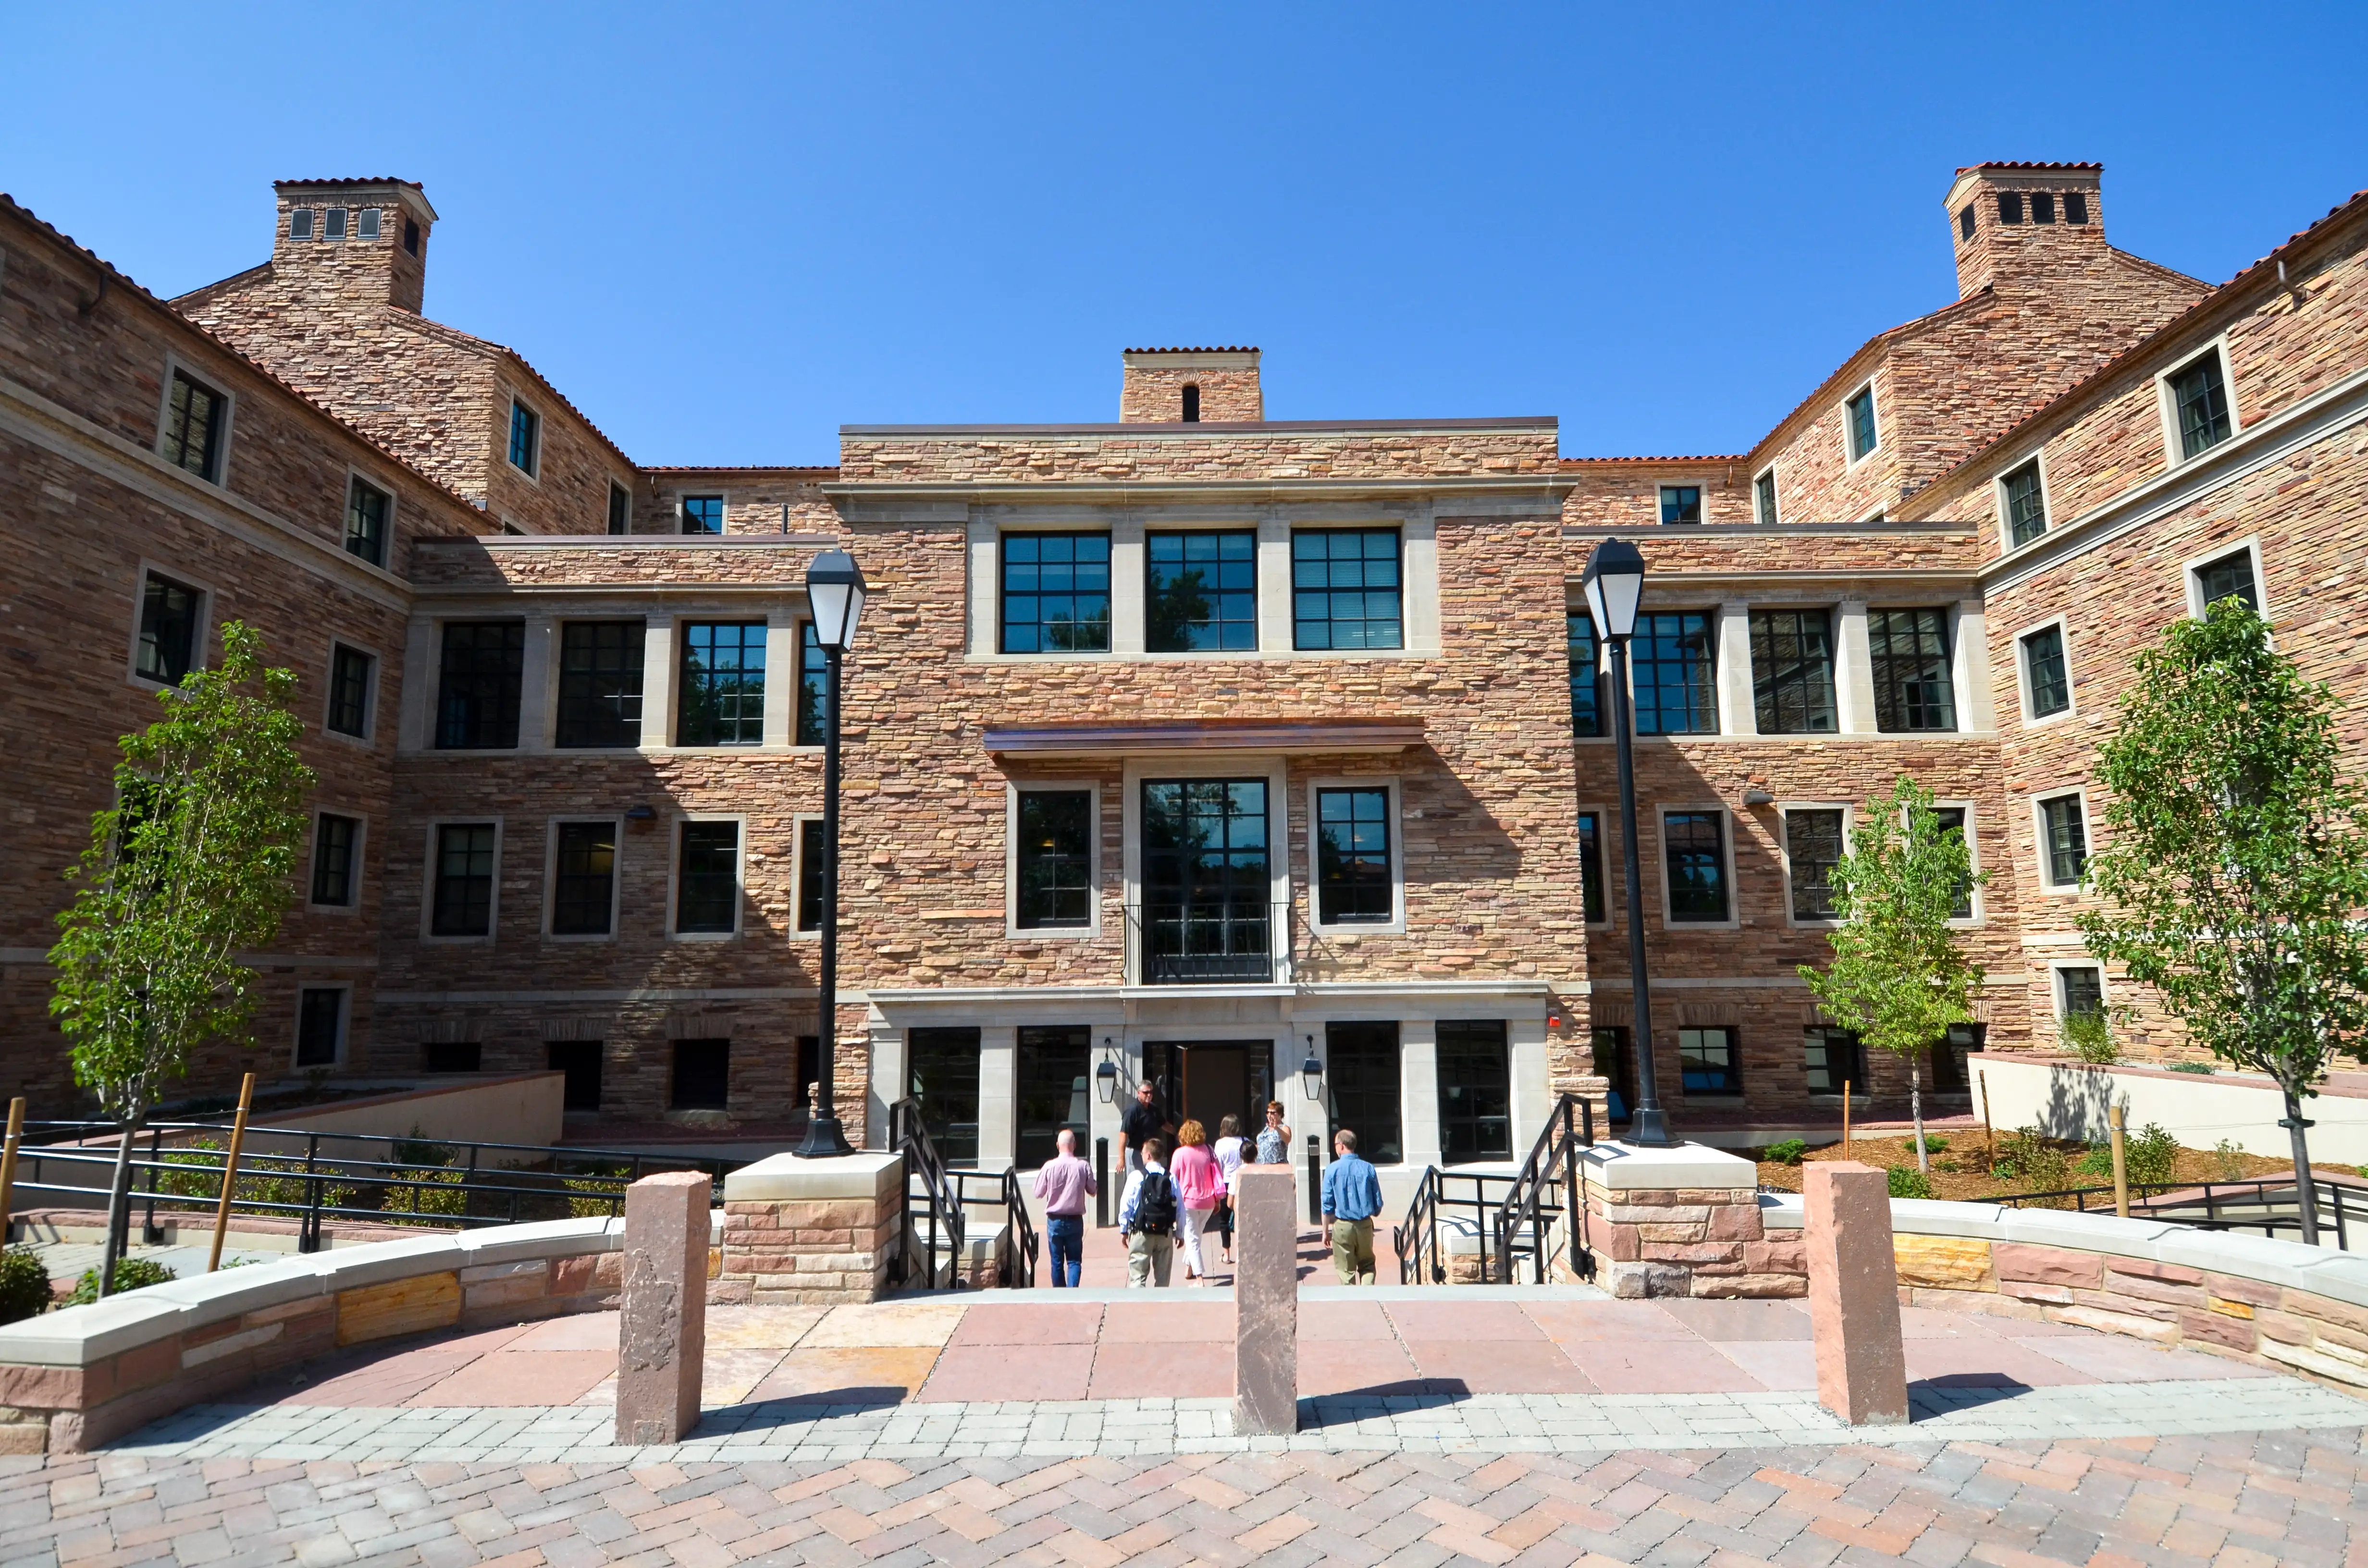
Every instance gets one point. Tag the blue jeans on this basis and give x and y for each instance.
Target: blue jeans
(1066, 1234)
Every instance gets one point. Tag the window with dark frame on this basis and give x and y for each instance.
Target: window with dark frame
(2044, 674)
(1352, 857)
(1792, 672)
(300, 224)
(1950, 1074)
(333, 840)
(584, 880)
(1673, 665)
(1056, 591)
(477, 685)
(1191, 404)
(811, 843)
(701, 1078)
(350, 672)
(333, 226)
(1952, 818)
(1346, 589)
(702, 514)
(1681, 505)
(2200, 397)
(1055, 852)
(1200, 592)
(1814, 845)
(1694, 851)
(411, 235)
(1055, 1073)
(1591, 881)
(1763, 498)
(1476, 1091)
(2009, 205)
(943, 1066)
(169, 613)
(193, 427)
(721, 694)
(525, 437)
(1910, 652)
(366, 223)
(2043, 206)
(600, 682)
(814, 687)
(707, 878)
(1836, 1061)
(1362, 1081)
(2026, 505)
(578, 1061)
(2076, 206)
(2230, 577)
(366, 513)
(2065, 831)
(1616, 1060)
(464, 880)
(1709, 1061)
(1587, 677)
(620, 509)
(320, 1025)
(1965, 222)
(1860, 412)
(2081, 991)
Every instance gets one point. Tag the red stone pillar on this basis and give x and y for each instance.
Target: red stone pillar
(662, 1332)
(1854, 1293)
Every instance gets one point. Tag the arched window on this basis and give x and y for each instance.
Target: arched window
(1191, 404)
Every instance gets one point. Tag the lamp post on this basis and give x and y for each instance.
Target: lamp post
(1613, 583)
(835, 589)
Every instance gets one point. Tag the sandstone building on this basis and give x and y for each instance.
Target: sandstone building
(1196, 743)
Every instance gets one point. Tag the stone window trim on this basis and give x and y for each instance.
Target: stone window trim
(2191, 574)
(1784, 851)
(2055, 968)
(368, 739)
(175, 365)
(2167, 401)
(1397, 925)
(429, 870)
(1853, 455)
(531, 469)
(799, 870)
(1611, 863)
(1662, 501)
(360, 819)
(345, 988)
(801, 623)
(1662, 811)
(1972, 832)
(619, 491)
(199, 638)
(674, 878)
(1767, 507)
(616, 825)
(2062, 625)
(1012, 789)
(2036, 460)
(385, 487)
(2048, 886)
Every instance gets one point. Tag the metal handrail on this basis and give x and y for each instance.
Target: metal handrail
(1019, 1243)
(1416, 1240)
(2225, 1204)
(1216, 942)
(938, 1202)
(1557, 1149)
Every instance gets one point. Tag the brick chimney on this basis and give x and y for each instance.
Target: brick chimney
(1172, 386)
(2013, 224)
(363, 238)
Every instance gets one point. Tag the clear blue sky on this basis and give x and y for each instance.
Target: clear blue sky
(725, 233)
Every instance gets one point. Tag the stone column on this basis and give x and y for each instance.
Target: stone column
(1266, 1302)
(800, 1230)
(662, 1332)
(1854, 1293)
(1682, 1221)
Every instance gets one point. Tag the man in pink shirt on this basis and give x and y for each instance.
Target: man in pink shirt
(1065, 1185)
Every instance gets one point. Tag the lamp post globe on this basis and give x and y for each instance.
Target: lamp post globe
(834, 594)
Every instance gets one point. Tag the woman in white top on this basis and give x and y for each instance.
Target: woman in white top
(1229, 1166)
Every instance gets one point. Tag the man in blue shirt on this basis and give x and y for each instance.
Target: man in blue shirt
(1352, 1196)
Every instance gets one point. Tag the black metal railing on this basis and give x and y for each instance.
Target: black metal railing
(929, 1251)
(1018, 1247)
(1213, 943)
(2269, 1205)
(1442, 1196)
(1549, 1186)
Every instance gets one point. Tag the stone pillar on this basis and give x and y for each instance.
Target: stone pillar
(1266, 1302)
(662, 1332)
(812, 1231)
(1682, 1221)
(1854, 1293)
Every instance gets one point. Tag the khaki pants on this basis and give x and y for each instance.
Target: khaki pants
(1352, 1251)
(1148, 1259)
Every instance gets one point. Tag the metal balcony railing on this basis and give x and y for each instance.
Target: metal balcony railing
(1210, 943)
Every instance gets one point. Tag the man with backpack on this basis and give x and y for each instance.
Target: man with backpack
(1146, 1218)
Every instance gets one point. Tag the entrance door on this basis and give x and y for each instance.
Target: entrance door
(1207, 1081)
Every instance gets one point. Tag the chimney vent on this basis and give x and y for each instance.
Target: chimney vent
(1185, 386)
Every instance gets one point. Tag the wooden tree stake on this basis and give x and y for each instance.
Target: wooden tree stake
(2121, 1172)
(229, 1172)
(8, 1162)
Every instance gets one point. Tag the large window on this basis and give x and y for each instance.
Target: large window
(1858, 415)
(2063, 840)
(2026, 503)
(942, 1065)
(721, 692)
(811, 841)
(1763, 498)
(707, 879)
(477, 689)
(1590, 866)
(1361, 1070)
(1813, 847)
(2199, 398)
(170, 614)
(1206, 915)
(1680, 503)
(702, 514)
(320, 1026)
(2229, 577)
(351, 674)
(2047, 681)
(1055, 1089)
(526, 439)
(584, 880)
(1056, 592)
(334, 840)
(1694, 844)
(1710, 1061)
(1675, 669)
(367, 509)
(1055, 855)
(1476, 1092)
(1586, 717)
(600, 682)
(463, 903)
(1792, 672)
(703, 1076)
(814, 687)
(1952, 818)
(1200, 592)
(195, 421)
(1352, 857)
(1835, 1060)
(1910, 649)
(1345, 589)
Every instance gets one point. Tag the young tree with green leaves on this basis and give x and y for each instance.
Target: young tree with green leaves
(191, 866)
(1900, 978)
(2234, 871)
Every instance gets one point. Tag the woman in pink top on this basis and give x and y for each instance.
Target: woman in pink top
(1197, 1185)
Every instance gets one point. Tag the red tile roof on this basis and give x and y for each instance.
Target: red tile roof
(378, 179)
(1209, 348)
(1969, 168)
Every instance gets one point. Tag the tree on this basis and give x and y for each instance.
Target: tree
(2235, 858)
(1899, 978)
(189, 868)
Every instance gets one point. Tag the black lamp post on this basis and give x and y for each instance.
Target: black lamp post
(835, 589)
(1613, 581)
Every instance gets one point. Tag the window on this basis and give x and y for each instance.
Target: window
(722, 691)
(452, 1056)
(1344, 589)
(1675, 671)
(2199, 398)
(2231, 576)
(620, 508)
(1763, 498)
(2063, 840)
(194, 423)
(320, 1025)
(1476, 1092)
(366, 223)
(812, 842)
(1836, 1060)
(2043, 206)
(334, 224)
(334, 839)
(2079, 992)
(1056, 592)
(579, 1059)
(411, 235)
(1055, 1084)
(1200, 592)
(703, 1076)
(169, 618)
(464, 880)
(2025, 504)
(366, 513)
(300, 224)
(1694, 844)
(1360, 1069)
(1055, 859)
(1965, 222)
(1352, 857)
(1950, 1074)
(1710, 1063)
(1910, 649)
(1814, 845)
(352, 675)
(1585, 676)
(584, 880)
(814, 687)
(1860, 415)
(1952, 818)
(2046, 682)
(477, 689)
(707, 879)
(1680, 503)
(600, 682)
(1792, 672)
(525, 437)
(2009, 207)
(943, 1067)
(1616, 1061)
(2076, 206)
(1191, 404)
(702, 514)
(1590, 868)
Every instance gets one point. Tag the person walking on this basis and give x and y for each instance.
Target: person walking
(1274, 1138)
(1146, 1218)
(1352, 1196)
(1063, 1185)
(1229, 1150)
(1197, 1187)
(1142, 1123)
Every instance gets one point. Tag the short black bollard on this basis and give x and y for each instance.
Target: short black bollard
(1102, 1184)
(1314, 1180)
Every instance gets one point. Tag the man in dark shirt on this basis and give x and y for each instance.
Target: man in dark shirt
(1143, 1120)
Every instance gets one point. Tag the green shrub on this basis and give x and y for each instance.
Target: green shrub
(2231, 1159)
(1788, 1153)
(1907, 1181)
(2089, 1037)
(600, 1191)
(2027, 1156)
(130, 1274)
(2149, 1156)
(444, 1197)
(418, 1149)
(199, 1175)
(1933, 1143)
(24, 1284)
(2203, 1067)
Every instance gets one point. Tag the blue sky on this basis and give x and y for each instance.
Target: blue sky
(725, 233)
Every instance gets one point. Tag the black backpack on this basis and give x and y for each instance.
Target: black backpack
(1154, 1206)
